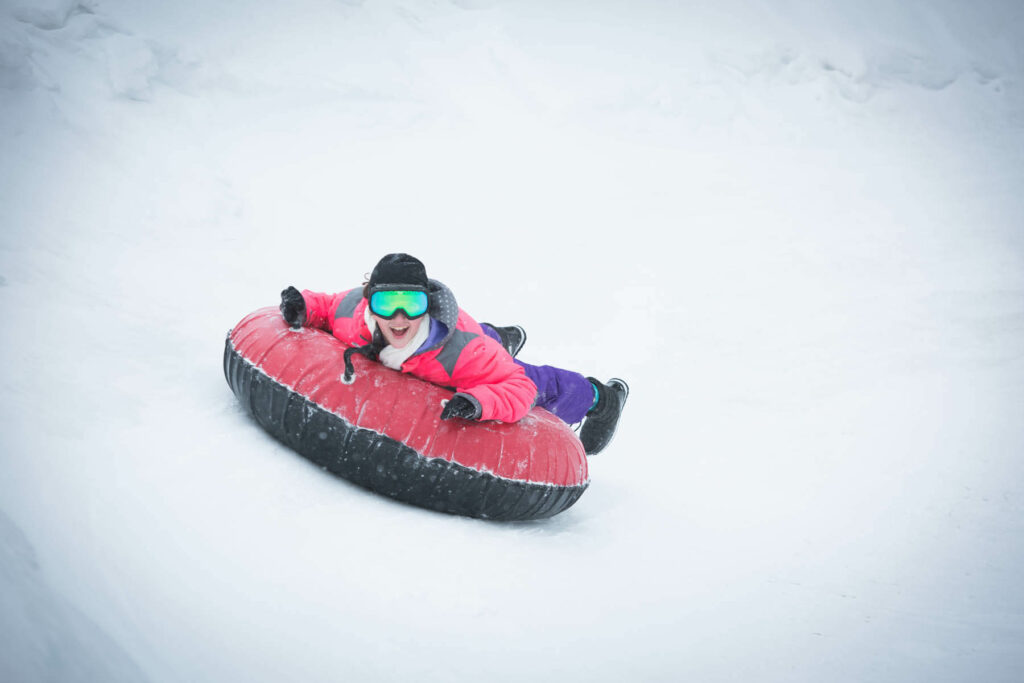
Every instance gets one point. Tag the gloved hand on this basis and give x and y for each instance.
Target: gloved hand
(461, 405)
(293, 307)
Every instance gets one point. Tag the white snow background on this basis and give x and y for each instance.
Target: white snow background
(796, 229)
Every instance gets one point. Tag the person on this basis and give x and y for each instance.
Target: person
(413, 324)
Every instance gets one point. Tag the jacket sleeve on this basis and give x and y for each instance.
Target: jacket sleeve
(486, 372)
(340, 314)
(319, 309)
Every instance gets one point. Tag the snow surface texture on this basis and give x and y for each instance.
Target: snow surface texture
(794, 227)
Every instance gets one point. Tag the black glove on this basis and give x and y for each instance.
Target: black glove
(461, 405)
(293, 307)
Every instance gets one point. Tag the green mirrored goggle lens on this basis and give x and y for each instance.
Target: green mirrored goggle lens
(387, 304)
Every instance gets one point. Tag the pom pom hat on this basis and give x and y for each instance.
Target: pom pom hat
(398, 272)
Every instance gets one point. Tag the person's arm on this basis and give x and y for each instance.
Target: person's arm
(320, 308)
(314, 309)
(486, 373)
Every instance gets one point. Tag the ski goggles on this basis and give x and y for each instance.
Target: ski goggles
(387, 304)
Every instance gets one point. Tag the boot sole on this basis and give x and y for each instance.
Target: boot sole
(514, 352)
(522, 343)
(624, 386)
(622, 408)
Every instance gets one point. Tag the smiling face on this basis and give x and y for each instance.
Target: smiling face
(398, 331)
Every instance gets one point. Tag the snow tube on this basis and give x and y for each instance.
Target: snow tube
(384, 432)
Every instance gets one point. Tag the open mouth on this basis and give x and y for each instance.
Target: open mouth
(399, 332)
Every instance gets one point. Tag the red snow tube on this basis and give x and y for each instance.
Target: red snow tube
(384, 431)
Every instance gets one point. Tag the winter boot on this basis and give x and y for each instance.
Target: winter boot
(602, 420)
(512, 337)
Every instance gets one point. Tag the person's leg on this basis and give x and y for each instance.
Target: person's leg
(569, 395)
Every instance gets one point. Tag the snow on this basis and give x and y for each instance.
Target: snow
(794, 227)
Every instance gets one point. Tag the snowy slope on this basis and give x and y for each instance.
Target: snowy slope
(794, 227)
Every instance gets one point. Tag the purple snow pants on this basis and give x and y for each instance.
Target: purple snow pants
(567, 394)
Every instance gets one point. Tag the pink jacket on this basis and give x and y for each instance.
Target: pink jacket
(460, 356)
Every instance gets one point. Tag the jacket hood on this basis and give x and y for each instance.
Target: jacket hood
(444, 309)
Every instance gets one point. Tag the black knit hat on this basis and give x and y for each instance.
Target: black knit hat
(398, 271)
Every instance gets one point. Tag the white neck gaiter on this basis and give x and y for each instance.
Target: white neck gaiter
(392, 357)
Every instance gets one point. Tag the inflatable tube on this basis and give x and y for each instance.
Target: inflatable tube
(383, 431)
